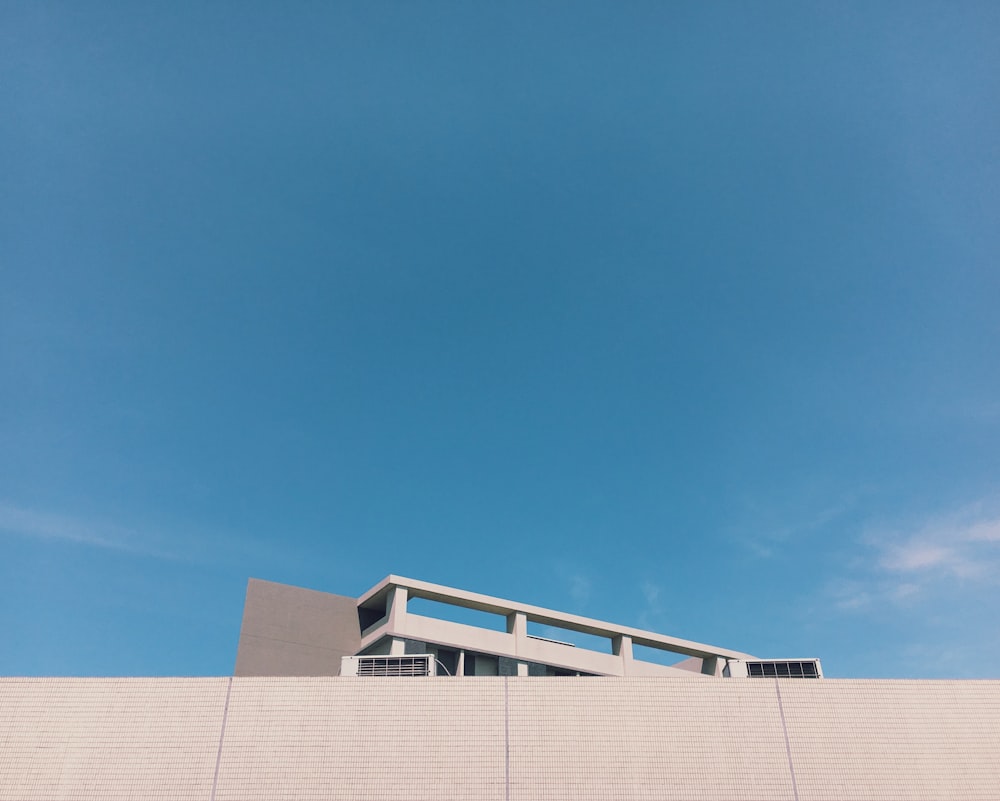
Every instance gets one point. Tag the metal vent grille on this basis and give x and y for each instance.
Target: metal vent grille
(394, 666)
(783, 670)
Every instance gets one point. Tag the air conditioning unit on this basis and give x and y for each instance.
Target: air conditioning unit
(388, 666)
(773, 669)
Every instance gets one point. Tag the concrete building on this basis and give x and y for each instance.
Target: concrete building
(290, 631)
(704, 730)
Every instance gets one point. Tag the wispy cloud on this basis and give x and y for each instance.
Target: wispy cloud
(849, 594)
(578, 582)
(184, 543)
(651, 592)
(580, 588)
(652, 614)
(766, 529)
(906, 563)
(19, 521)
(963, 545)
(854, 595)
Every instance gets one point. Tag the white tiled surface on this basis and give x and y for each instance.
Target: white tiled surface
(894, 740)
(357, 739)
(492, 739)
(109, 739)
(646, 738)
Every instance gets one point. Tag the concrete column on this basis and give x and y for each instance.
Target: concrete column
(517, 626)
(622, 646)
(397, 610)
(460, 664)
(397, 647)
(522, 668)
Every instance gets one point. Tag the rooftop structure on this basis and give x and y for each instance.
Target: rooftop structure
(292, 631)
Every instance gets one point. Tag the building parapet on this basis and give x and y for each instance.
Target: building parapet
(384, 616)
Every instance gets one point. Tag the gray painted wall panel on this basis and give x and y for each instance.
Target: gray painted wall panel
(291, 631)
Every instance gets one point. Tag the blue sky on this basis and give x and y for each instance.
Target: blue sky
(676, 315)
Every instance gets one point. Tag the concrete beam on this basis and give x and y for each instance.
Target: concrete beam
(549, 617)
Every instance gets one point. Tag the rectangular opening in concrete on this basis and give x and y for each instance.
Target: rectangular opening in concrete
(656, 655)
(578, 639)
(369, 617)
(456, 614)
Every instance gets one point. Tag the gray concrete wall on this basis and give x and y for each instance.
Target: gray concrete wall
(291, 631)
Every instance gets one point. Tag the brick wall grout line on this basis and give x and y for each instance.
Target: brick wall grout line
(222, 736)
(788, 746)
(506, 740)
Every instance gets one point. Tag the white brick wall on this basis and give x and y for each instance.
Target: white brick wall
(109, 739)
(645, 738)
(888, 740)
(494, 739)
(358, 739)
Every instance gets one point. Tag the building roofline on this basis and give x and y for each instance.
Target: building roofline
(500, 606)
